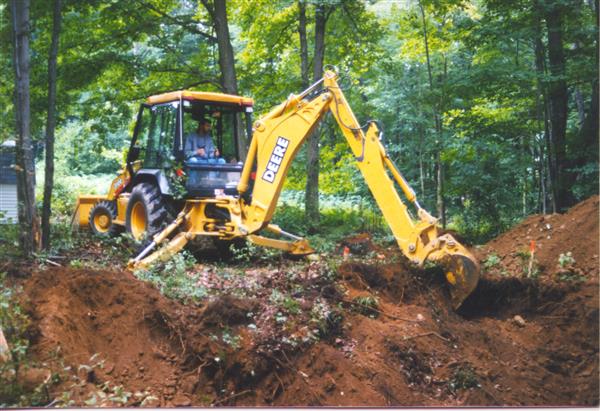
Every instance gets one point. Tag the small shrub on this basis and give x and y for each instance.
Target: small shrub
(565, 260)
(291, 305)
(491, 261)
(525, 257)
(568, 276)
(464, 377)
(366, 305)
(234, 341)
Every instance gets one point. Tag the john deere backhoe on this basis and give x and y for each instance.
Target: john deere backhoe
(164, 197)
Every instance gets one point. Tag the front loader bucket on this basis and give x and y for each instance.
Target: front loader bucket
(83, 207)
(462, 273)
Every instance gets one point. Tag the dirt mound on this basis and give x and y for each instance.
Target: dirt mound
(123, 324)
(575, 231)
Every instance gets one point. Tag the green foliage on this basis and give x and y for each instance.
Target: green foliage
(174, 279)
(525, 257)
(491, 261)
(251, 253)
(566, 259)
(14, 323)
(177, 180)
(291, 305)
(105, 394)
(366, 305)
(9, 239)
(568, 272)
(340, 217)
(463, 377)
(227, 336)
(569, 276)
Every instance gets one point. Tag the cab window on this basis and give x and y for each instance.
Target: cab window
(156, 135)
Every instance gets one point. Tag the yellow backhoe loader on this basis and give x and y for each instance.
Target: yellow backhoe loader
(170, 199)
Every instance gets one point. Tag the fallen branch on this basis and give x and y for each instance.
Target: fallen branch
(52, 262)
(230, 397)
(279, 384)
(47, 260)
(426, 335)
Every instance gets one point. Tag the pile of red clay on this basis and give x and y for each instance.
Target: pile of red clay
(554, 234)
(87, 317)
(516, 341)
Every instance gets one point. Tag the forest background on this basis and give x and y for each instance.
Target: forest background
(489, 108)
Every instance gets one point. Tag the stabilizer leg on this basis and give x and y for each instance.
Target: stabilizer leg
(299, 245)
(166, 252)
(176, 244)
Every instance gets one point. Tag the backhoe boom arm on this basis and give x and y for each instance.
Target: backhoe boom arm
(277, 138)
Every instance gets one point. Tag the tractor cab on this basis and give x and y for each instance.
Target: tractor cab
(172, 127)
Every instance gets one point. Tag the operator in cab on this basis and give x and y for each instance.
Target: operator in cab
(199, 147)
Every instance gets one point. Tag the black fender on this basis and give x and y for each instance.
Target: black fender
(154, 176)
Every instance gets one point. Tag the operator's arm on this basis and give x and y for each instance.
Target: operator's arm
(189, 146)
(209, 147)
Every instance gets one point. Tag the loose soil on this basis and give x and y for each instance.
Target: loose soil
(515, 341)
(576, 231)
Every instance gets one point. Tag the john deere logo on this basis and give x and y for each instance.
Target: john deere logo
(276, 159)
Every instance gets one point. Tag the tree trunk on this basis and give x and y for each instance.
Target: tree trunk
(548, 160)
(303, 44)
(543, 180)
(50, 126)
(440, 201)
(589, 128)
(421, 171)
(580, 106)
(523, 154)
(226, 60)
(439, 191)
(538, 156)
(29, 235)
(588, 132)
(218, 13)
(311, 202)
(558, 96)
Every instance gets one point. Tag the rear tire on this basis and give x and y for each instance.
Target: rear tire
(101, 219)
(146, 212)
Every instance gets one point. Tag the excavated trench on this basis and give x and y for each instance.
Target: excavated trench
(413, 352)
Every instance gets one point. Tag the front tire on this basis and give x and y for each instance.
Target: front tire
(101, 219)
(146, 212)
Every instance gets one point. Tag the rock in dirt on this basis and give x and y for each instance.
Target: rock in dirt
(518, 320)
